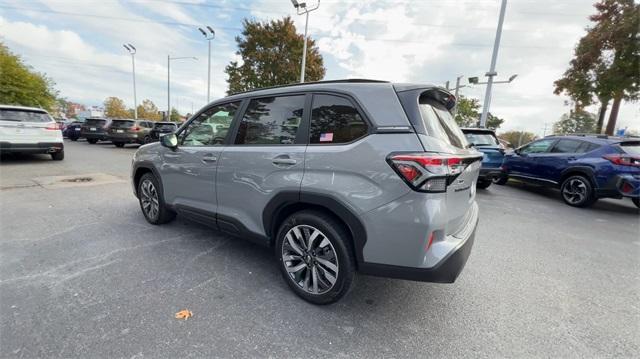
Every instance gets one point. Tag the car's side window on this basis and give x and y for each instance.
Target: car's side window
(335, 119)
(271, 120)
(566, 146)
(211, 127)
(540, 146)
(587, 147)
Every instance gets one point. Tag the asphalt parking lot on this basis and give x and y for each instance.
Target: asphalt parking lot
(82, 274)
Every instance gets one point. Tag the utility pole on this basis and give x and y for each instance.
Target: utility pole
(132, 51)
(301, 8)
(492, 70)
(457, 90)
(209, 36)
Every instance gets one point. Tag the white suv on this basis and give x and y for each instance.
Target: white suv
(29, 130)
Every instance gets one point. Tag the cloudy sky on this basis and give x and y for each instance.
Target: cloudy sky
(79, 44)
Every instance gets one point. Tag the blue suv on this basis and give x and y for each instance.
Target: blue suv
(485, 141)
(585, 168)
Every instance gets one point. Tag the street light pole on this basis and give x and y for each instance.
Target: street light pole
(169, 59)
(209, 36)
(132, 51)
(301, 8)
(492, 70)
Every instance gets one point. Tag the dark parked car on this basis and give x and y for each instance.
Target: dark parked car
(126, 131)
(95, 129)
(585, 168)
(72, 130)
(485, 141)
(162, 128)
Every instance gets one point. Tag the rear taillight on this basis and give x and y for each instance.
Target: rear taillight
(623, 159)
(429, 172)
(52, 126)
(135, 129)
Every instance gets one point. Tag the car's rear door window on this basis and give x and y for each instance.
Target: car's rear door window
(271, 121)
(24, 116)
(540, 146)
(566, 146)
(439, 122)
(334, 120)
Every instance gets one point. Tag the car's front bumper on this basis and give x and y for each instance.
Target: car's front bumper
(487, 174)
(39, 147)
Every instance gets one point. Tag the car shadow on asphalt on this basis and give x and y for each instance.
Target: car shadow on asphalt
(23, 159)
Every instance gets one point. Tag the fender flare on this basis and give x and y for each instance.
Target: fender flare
(278, 205)
(585, 170)
(148, 165)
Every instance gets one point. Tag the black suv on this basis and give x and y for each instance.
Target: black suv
(95, 129)
(162, 128)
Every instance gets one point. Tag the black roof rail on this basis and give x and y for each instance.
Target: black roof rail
(313, 83)
(598, 135)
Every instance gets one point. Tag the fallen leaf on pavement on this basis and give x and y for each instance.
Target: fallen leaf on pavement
(184, 314)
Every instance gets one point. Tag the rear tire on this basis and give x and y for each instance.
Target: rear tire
(92, 141)
(636, 201)
(577, 191)
(146, 140)
(483, 184)
(151, 200)
(315, 258)
(74, 139)
(118, 144)
(57, 156)
(502, 180)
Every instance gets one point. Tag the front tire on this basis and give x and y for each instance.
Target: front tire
(152, 201)
(502, 180)
(636, 201)
(483, 184)
(315, 257)
(577, 191)
(119, 144)
(57, 156)
(92, 141)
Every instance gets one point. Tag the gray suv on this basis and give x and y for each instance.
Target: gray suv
(335, 176)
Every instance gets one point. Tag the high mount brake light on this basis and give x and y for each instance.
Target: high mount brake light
(623, 160)
(428, 172)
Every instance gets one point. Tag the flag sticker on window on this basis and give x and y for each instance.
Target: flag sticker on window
(326, 137)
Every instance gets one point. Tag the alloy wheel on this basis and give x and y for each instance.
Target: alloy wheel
(575, 191)
(149, 199)
(310, 259)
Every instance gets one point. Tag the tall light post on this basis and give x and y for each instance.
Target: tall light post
(169, 59)
(132, 51)
(492, 69)
(487, 99)
(301, 8)
(209, 36)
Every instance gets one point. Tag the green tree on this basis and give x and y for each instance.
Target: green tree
(21, 85)
(494, 122)
(517, 138)
(606, 61)
(175, 115)
(468, 112)
(575, 122)
(149, 111)
(271, 54)
(114, 108)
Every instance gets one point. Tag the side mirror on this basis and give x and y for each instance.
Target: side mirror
(169, 140)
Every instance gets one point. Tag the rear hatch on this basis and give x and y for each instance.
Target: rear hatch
(122, 127)
(429, 113)
(94, 125)
(486, 142)
(27, 126)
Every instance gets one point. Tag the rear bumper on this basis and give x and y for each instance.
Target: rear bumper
(40, 147)
(622, 185)
(94, 136)
(490, 173)
(125, 138)
(444, 272)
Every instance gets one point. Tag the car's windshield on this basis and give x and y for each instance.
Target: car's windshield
(23, 116)
(481, 139)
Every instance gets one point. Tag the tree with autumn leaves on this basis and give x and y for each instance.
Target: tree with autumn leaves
(606, 63)
(271, 55)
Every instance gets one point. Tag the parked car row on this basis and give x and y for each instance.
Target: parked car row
(584, 167)
(118, 131)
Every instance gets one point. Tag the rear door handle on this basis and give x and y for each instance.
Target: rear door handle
(284, 160)
(209, 157)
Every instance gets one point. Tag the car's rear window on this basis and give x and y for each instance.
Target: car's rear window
(122, 124)
(439, 122)
(481, 139)
(632, 148)
(95, 122)
(24, 116)
(165, 126)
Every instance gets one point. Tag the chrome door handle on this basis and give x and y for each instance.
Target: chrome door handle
(284, 161)
(209, 158)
